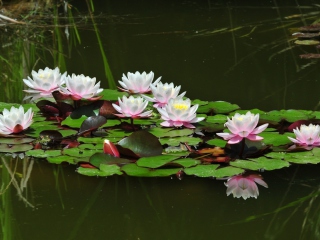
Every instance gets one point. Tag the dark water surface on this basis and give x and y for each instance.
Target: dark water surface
(190, 43)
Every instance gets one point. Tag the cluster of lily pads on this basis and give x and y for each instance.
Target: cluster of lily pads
(147, 129)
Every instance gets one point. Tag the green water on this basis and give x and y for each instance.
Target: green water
(247, 66)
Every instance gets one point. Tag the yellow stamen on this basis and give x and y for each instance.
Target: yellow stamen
(180, 106)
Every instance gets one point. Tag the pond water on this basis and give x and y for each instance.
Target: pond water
(240, 52)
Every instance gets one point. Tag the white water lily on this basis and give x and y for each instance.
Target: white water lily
(44, 82)
(307, 135)
(162, 93)
(137, 82)
(80, 86)
(243, 126)
(178, 113)
(132, 107)
(15, 120)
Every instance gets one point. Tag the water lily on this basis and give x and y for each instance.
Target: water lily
(15, 120)
(307, 135)
(44, 82)
(244, 186)
(243, 126)
(178, 113)
(110, 148)
(162, 93)
(137, 82)
(81, 87)
(132, 107)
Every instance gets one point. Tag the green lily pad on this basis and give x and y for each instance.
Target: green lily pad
(218, 107)
(213, 171)
(99, 159)
(187, 162)
(112, 95)
(93, 172)
(177, 140)
(15, 140)
(307, 42)
(136, 171)
(60, 159)
(155, 161)
(260, 163)
(276, 139)
(217, 142)
(73, 123)
(76, 152)
(219, 119)
(4, 148)
(95, 140)
(39, 153)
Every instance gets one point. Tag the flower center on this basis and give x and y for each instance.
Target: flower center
(180, 106)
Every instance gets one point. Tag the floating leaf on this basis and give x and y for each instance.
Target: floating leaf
(99, 159)
(276, 139)
(92, 123)
(8, 148)
(187, 162)
(141, 143)
(92, 172)
(136, 171)
(113, 95)
(217, 142)
(260, 163)
(218, 107)
(213, 171)
(111, 169)
(60, 159)
(76, 152)
(177, 140)
(39, 153)
(73, 123)
(15, 140)
(307, 42)
(219, 118)
(155, 161)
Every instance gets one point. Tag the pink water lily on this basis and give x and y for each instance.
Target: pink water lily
(243, 126)
(307, 135)
(43, 83)
(15, 120)
(132, 107)
(244, 186)
(137, 82)
(178, 113)
(81, 87)
(162, 93)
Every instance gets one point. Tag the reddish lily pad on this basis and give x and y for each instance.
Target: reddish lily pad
(142, 144)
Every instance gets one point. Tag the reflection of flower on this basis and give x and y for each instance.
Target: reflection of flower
(243, 126)
(15, 120)
(178, 113)
(162, 93)
(137, 82)
(110, 148)
(307, 135)
(44, 82)
(132, 107)
(244, 186)
(80, 86)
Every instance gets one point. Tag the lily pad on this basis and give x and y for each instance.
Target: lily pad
(276, 139)
(97, 172)
(110, 94)
(155, 161)
(213, 171)
(136, 171)
(99, 159)
(177, 140)
(187, 162)
(15, 140)
(73, 123)
(5, 148)
(217, 142)
(142, 144)
(60, 159)
(260, 163)
(39, 153)
(218, 107)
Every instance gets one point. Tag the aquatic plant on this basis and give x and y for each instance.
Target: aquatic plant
(80, 86)
(44, 82)
(132, 107)
(244, 186)
(178, 113)
(15, 120)
(162, 93)
(243, 126)
(137, 82)
(307, 135)
(110, 148)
